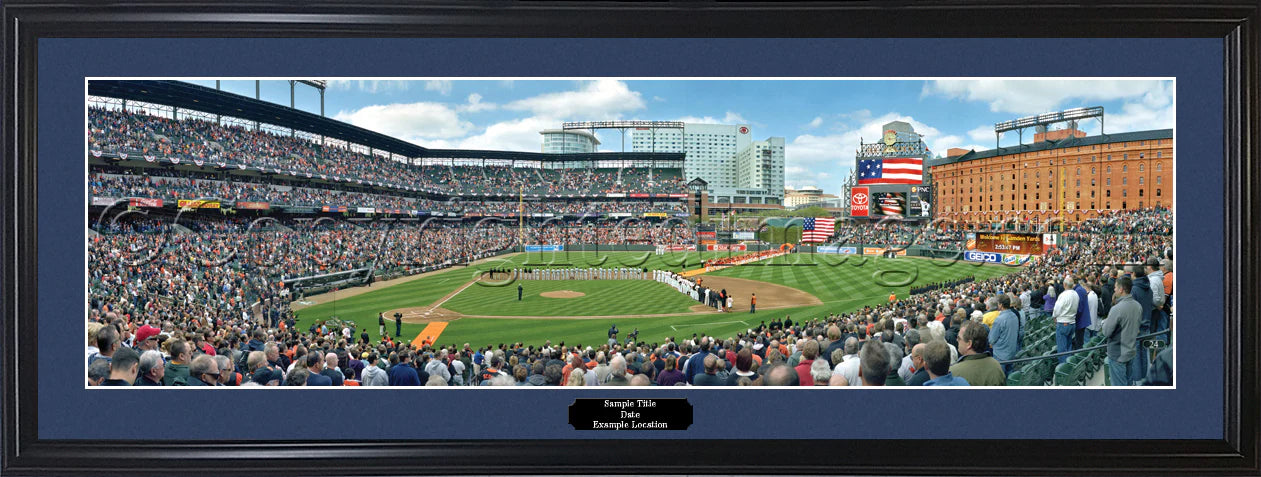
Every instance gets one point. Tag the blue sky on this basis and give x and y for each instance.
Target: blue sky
(821, 121)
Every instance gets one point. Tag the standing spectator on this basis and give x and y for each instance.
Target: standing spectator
(1082, 316)
(709, 377)
(1157, 277)
(334, 375)
(874, 364)
(895, 359)
(203, 371)
(937, 361)
(921, 370)
(315, 366)
(744, 365)
(403, 374)
(975, 364)
(1006, 333)
(374, 372)
(107, 342)
(809, 351)
(670, 376)
(1119, 331)
(1141, 290)
(1065, 315)
(850, 362)
(123, 368)
(907, 367)
(147, 339)
(1092, 305)
(177, 372)
(152, 368)
(227, 375)
(438, 366)
(98, 372)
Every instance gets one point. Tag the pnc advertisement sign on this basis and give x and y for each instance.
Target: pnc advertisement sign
(988, 257)
(859, 200)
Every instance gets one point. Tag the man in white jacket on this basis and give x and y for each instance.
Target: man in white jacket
(1065, 315)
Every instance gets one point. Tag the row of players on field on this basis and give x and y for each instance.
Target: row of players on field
(581, 274)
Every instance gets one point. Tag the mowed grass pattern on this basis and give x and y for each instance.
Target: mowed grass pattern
(602, 297)
(842, 283)
(841, 280)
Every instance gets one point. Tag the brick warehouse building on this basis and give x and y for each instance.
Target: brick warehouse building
(1062, 174)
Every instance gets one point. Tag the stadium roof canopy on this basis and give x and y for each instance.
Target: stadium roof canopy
(550, 157)
(209, 100)
(1063, 143)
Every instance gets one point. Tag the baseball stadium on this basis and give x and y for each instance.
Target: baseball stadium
(240, 242)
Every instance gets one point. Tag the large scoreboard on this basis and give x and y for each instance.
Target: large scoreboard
(1022, 244)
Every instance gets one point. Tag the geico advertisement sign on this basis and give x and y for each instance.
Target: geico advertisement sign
(989, 257)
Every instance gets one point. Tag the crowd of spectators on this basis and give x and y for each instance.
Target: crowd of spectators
(173, 188)
(166, 307)
(194, 138)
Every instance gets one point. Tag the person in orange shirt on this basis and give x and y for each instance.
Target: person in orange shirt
(893, 297)
(753, 304)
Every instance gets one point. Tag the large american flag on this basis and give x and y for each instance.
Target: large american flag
(817, 230)
(893, 170)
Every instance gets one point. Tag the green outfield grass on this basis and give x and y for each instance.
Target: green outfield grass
(841, 280)
(843, 284)
(603, 297)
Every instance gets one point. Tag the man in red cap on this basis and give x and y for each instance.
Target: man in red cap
(147, 339)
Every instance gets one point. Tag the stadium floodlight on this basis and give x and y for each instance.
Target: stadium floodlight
(1046, 119)
(321, 84)
(622, 124)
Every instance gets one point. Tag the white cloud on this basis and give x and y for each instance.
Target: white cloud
(369, 86)
(475, 104)
(512, 135)
(443, 87)
(982, 133)
(410, 122)
(1038, 96)
(658, 99)
(818, 121)
(809, 155)
(730, 118)
(598, 100)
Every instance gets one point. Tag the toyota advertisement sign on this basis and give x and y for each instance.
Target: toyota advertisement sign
(859, 200)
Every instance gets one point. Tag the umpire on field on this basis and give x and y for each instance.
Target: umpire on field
(398, 324)
(520, 290)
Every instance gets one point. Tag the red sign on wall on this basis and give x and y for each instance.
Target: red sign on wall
(859, 199)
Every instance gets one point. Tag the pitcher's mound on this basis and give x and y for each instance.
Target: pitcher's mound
(562, 294)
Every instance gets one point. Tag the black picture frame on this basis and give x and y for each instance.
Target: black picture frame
(1236, 23)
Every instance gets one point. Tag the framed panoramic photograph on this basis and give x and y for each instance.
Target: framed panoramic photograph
(666, 238)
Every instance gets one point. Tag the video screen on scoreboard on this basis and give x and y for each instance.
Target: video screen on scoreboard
(1023, 244)
(889, 204)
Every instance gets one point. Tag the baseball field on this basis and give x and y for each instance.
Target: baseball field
(465, 305)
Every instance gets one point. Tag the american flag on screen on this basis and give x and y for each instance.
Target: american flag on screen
(891, 204)
(817, 229)
(893, 170)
